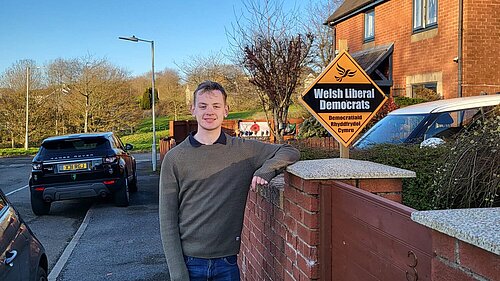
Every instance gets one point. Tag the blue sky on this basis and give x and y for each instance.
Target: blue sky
(50, 29)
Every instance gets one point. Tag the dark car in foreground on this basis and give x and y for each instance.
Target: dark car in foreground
(22, 256)
(82, 165)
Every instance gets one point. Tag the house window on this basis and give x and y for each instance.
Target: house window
(427, 91)
(424, 14)
(369, 26)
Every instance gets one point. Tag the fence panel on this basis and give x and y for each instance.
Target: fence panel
(372, 238)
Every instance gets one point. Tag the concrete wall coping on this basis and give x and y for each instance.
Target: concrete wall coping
(341, 168)
(479, 227)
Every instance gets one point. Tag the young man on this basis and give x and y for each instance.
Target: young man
(204, 184)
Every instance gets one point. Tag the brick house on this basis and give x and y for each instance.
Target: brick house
(449, 46)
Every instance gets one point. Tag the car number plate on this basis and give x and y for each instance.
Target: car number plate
(73, 167)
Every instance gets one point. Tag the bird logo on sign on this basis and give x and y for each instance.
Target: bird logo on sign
(344, 73)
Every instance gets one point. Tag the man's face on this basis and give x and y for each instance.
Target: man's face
(209, 110)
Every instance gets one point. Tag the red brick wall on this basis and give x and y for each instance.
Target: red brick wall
(280, 243)
(393, 24)
(481, 47)
(281, 230)
(457, 260)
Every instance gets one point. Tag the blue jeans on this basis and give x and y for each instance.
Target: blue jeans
(219, 269)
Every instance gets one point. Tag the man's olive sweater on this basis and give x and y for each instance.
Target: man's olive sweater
(203, 192)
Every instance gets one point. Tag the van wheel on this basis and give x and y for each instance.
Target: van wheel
(122, 195)
(39, 206)
(41, 275)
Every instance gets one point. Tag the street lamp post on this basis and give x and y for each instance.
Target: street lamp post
(135, 39)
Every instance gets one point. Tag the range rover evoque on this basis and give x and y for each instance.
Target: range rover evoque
(82, 165)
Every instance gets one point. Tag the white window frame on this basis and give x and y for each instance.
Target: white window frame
(369, 24)
(424, 14)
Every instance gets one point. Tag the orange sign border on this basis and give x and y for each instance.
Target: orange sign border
(325, 124)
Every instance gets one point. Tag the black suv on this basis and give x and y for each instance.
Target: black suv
(82, 165)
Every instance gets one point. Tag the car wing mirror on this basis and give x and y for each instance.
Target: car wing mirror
(128, 146)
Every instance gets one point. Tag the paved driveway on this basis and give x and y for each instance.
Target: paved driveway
(118, 243)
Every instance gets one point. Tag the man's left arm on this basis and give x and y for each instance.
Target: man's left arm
(272, 159)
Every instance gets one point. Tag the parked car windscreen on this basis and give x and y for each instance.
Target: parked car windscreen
(393, 129)
(447, 124)
(72, 145)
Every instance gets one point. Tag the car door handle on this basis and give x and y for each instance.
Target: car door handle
(9, 259)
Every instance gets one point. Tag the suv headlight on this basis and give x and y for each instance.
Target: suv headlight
(36, 166)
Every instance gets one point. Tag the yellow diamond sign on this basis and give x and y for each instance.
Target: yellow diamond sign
(343, 98)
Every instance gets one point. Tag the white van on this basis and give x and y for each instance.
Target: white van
(437, 119)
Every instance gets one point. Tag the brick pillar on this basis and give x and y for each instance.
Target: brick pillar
(388, 188)
(309, 183)
(301, 208)
(379, 179)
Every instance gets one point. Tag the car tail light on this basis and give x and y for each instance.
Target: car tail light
(109, 159)
(36, 166)
(109, 182)
(39, 188)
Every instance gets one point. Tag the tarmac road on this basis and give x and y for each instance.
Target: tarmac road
(103, 243)
(54, 230)
(118, 243)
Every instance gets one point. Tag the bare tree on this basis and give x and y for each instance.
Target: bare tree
(11, 117)
(86, 80)
(138, 84)
(274, 51)
(75, 88)
(59, 72)
(95, 91)
(242, 95)
(200, 68)
(113, 107)
(13, 100)
(101, 90)
(322, 49)
(172, 100)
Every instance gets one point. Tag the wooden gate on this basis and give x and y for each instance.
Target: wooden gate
(366, 237)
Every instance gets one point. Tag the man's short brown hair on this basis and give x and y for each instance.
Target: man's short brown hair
(207, 86)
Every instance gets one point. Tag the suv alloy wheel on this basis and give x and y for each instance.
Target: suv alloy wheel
(39, 206)
(121, 196)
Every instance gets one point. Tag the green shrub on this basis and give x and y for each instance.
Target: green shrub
(418, 193)
(312, 128)
(470, 174)
(405, 101)
(464, 173)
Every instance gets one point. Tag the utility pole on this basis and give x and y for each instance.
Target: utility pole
(27, 107)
